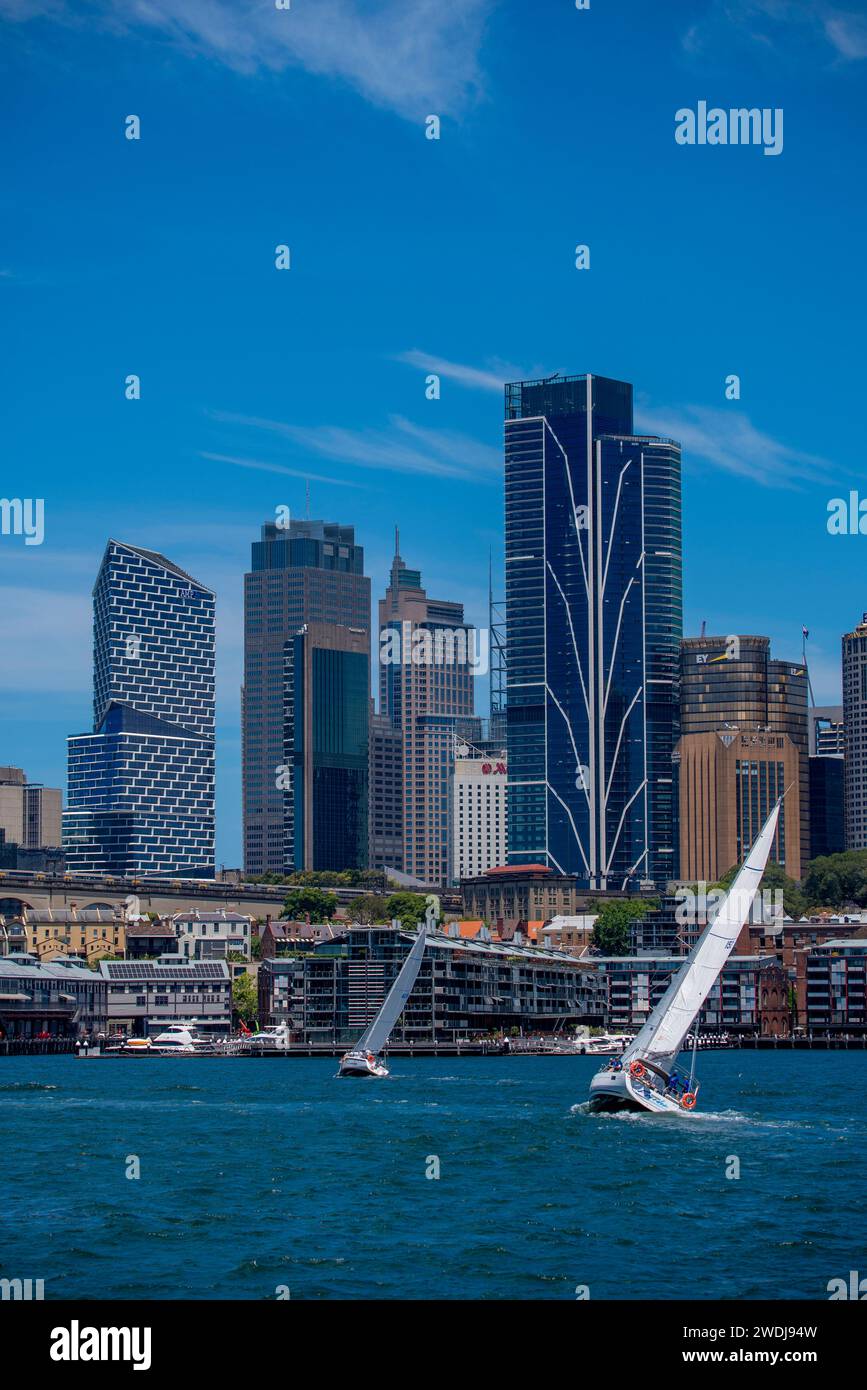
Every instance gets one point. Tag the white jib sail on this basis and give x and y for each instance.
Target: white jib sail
(661, 1038)
(376, 1035)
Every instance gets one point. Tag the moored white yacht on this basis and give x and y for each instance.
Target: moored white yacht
(645, 1076)
(274, 1038)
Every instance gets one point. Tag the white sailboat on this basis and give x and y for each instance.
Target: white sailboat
(643, 1078)
(363, 1058)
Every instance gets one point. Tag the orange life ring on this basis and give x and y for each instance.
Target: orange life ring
(687, 1100)
(636, 1069)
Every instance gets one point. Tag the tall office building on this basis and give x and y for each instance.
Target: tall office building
(141, 786)
(594, 618)
(30, 814)
(827, 731)
(326, 718)
(855, 726)
(385, 829)
(744, 741)
(479, 801)
(305, 572)
(426, 659)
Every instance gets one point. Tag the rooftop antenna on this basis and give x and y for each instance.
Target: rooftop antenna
(804, 635)
(703, 626)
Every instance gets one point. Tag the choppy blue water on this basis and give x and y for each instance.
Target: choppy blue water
(258, 1174)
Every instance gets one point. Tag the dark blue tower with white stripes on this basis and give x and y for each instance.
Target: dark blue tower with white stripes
(141, 786)
(593, 612)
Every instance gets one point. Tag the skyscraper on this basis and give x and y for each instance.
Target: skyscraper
(744, 741)
(304, 572)
(426, 658)
(141, 786)
(594, 618)
(30, 814)
(855, 726)
(326, 726)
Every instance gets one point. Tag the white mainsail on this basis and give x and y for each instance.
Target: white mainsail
(376, 1035)
(661, 1038)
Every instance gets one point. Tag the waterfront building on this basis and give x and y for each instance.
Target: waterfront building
(145, 996)
(304, 572)
(57, 999)
(827, 731)
(427, 654)
(744, 740)
(831, 987)
(855, 726)
(213, 935)
(512, 896)
(285, 938)
(750, 997)
(86, 933)
(147, 939)
(465, 986)
(594, 619)
(827, 822)
(30, 814)
(478, 811)
(385, 826)
(326, 715)
(141, 786)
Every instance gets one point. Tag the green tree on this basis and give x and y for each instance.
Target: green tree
(321, 905)
(836, 879)
(611, 928)
(408, 908)
(245, 1001)
(370, 909)
(774, 879)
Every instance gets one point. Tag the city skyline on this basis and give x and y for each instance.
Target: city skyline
(180, 288)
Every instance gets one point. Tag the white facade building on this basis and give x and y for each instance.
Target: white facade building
(478, 811)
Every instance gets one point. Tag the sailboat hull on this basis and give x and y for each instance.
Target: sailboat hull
(361, 1064)
(618, 1090)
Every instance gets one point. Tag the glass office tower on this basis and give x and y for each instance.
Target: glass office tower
(327, 713)
(304, 572)
(594, 614)
(141, 786)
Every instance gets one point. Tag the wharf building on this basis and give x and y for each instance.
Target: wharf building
(427, 656)
(831, 988)
(855, 725)
(141, 786)
(304, 573)
(749, 998)
(744, 741)
(145, 996)
(594, 619)
(464, 987)
(50, 999)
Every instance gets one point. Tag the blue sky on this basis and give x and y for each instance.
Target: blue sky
(306, 127)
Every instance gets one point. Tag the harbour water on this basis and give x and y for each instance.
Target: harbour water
(264, 1179)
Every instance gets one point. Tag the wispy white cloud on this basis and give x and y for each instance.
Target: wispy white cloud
(263, 467)
(774, 23)
(490, 378)
(410, 56)
(405, 448)
(727, 439)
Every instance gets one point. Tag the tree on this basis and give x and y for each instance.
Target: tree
(320, 905)
(774, 879)
(408, 908)
(245, 1001)
(835, 879)
(611, 934)
(370, 909)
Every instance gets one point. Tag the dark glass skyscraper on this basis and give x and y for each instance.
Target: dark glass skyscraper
(594, 615)
(141, 786)
(304, 572)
